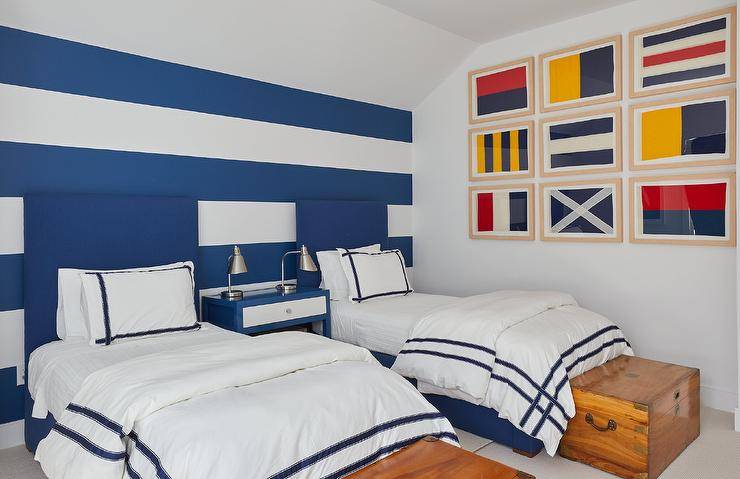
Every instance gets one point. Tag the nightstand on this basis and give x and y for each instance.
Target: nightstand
(268, 310)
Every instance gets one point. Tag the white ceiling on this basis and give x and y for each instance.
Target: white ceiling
(355, 49)
(485, 20)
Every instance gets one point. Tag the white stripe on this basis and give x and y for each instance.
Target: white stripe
(11, 225)
(672, 67)
(688, 42)
(239, 222)
(38, 116)
(11, 342)
(11, 434)
(400, 221)
(601, 141)
(501, 211)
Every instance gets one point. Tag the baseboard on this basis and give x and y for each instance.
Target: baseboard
(737, 419)
(718, 398)
(11, 434)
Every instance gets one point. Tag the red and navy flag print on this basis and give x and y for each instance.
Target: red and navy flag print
(684, 210)
(502, 211)
(501, 91)
(684, 54)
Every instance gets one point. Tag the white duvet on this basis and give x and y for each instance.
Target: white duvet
(285, 405)
(513, 351)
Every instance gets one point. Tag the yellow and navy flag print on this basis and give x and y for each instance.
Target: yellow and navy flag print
(581, 75)
(697, 129)
(503, 151)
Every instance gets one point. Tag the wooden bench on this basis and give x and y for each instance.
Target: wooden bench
(434, 459)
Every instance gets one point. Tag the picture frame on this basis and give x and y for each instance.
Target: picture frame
(511, 218)
(694, 130)
(501, 151)
(501, 91)
(581, 143)
(585, 74)
(697, 209)
(688, 53)
(581, 211)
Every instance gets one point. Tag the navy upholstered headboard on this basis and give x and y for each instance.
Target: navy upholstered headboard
(96, 232)
(327, 224)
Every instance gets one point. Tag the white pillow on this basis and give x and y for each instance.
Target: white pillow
(132, 304)
(332, 274)
(71, 321)
(375, 275)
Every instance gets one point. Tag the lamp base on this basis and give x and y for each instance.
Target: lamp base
(286, 288)
(232, 295)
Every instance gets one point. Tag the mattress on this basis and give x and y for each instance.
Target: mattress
(382, 324)
(57, 370)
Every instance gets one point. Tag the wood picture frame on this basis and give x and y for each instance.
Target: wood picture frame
(507, 84)
(488, 231)
(582, 148)
(684, 132)
(582, 72)
(683, 54)
(671, 225)
(492, 154)
(574, 216)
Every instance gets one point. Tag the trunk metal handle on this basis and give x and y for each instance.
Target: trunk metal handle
(610, 426)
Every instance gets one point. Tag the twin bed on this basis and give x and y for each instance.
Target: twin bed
(186, 404)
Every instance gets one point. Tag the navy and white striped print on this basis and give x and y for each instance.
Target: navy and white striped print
(113, 122)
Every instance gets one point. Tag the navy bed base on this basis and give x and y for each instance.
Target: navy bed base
(479, 420)
(93, 232)
(329, 224)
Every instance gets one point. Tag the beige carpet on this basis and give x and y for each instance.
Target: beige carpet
(715, 455)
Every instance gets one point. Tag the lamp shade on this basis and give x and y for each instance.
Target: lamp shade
(305, 263)
(236, 262)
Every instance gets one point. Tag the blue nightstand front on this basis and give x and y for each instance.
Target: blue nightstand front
(268, 310)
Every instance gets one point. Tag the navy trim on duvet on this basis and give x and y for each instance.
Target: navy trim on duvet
(88, 445)
(453, 342)
(352, 440)
(360, 298)
(109, 338)
(448, 356)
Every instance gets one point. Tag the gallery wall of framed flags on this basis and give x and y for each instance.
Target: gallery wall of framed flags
(688, 126)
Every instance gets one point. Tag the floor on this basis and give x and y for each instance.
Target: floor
(715, 455)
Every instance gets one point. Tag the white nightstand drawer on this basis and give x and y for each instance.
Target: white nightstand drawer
(283, 311)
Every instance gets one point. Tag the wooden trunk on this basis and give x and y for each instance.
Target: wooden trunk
(433, 459)
(633, 416)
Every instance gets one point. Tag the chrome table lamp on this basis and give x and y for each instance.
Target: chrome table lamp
(236, 266)
(305, 263)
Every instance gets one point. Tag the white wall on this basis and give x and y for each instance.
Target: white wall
(675, 303)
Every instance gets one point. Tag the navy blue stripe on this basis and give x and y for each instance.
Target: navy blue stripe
(524, 375)
(502, 101)
(595, 352)
(11, 396)
(597, 71)
(404, 292)
(97, 417)
(685, 32)
(352, 440)
(149, 454)
(582, 158)
(453, 342)
(106, 311)
(447, 356)
(131, 471)
(88, 445)
(149, 332)
(527, 398)
(695, 74)
(386, 450)
(541, 422)
(594, 126)
(406, 245)
(31, 168)
(684, 222)
(11, 277)
(26, 59)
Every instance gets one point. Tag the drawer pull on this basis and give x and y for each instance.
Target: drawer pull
(610, 426)
(676, 395)
(288, 310)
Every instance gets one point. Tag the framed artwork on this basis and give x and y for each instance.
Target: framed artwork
(501, 212)
(504, 151)
(693, 52)
(581, 211)
(689, 209)
(501, 91)
(582, 143)
(697, 130)
(580, 75)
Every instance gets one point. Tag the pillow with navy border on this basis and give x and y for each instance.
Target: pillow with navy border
(375, 275)
(140, 303)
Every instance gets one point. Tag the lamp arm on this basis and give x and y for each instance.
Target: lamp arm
(282, 265)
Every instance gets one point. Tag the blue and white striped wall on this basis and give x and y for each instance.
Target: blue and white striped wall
(78, 118)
